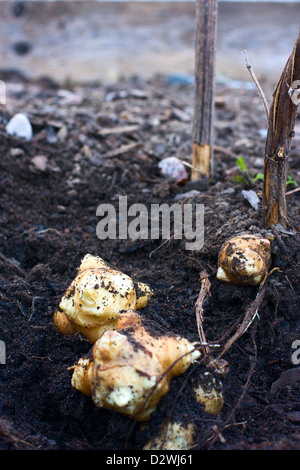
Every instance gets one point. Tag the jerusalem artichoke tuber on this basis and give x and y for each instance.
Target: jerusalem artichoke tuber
(129, 371)
(174, 436)
(95, 299)
(244, 260)
(209, 392)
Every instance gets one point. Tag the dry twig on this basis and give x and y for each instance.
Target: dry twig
(7, 431)
(159, 379)
(259, 88)
(121, 150)
(118, 130)
(205, 290)
(250, 315)
(230, 419)
(274, 230)
(219, 365)
(12, 264)
(293, 191)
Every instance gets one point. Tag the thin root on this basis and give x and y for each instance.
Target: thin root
(250, 315)
(220, 366)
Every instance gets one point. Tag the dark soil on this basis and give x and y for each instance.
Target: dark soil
(48, 223)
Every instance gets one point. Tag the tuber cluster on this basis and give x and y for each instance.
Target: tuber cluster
(127, 370)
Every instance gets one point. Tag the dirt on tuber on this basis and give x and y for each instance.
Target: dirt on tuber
(98, 298)
(244, 260)
(129, 370)
(174, 436)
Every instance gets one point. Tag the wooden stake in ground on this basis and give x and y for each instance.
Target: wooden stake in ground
(206, 22)
(281, 122)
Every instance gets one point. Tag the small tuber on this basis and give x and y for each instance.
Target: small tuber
(96, 299)
(175, 436)
(129, 370)
(244, 260)
(209, 392)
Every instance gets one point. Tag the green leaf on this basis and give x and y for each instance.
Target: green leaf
(291, 182)
(259, 177)
(241, 163)
(240, 179)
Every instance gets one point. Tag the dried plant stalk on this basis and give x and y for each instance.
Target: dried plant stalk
(219, 365)
(257, 84)
(202, 153)
(281, 122)
(251, 313)
(205, 290)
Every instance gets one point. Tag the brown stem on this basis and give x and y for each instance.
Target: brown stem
(202, 154)
(250, 314)
(220, 366)
(259, 88)
(205, 290)
(281, 123)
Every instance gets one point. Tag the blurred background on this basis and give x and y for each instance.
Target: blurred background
(103, 41)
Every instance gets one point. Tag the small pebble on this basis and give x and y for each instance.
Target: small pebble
(173, 169)
(192, 193)
(263, 133)
(20, 126)
(258, 162)
(16, 152)
(228, 191)
(180, 79)
(40, 162)
(62, 134)
(252, 198)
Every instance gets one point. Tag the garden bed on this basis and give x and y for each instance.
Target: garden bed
(98, 143)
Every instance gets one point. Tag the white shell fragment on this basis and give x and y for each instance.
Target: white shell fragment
(20, 126)
(252, 198)
(173, 169)
(40, 163)
(244, 260)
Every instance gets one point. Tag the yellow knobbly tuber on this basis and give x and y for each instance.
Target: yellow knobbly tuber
(174, 436)
(129, 371)
(244, 260)
(96, 299)
(209, 392)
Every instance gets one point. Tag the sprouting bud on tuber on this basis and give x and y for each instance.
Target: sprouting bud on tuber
(175, 436)
(244, 260)
(209, 392)
(129, 371)
(96, 298)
